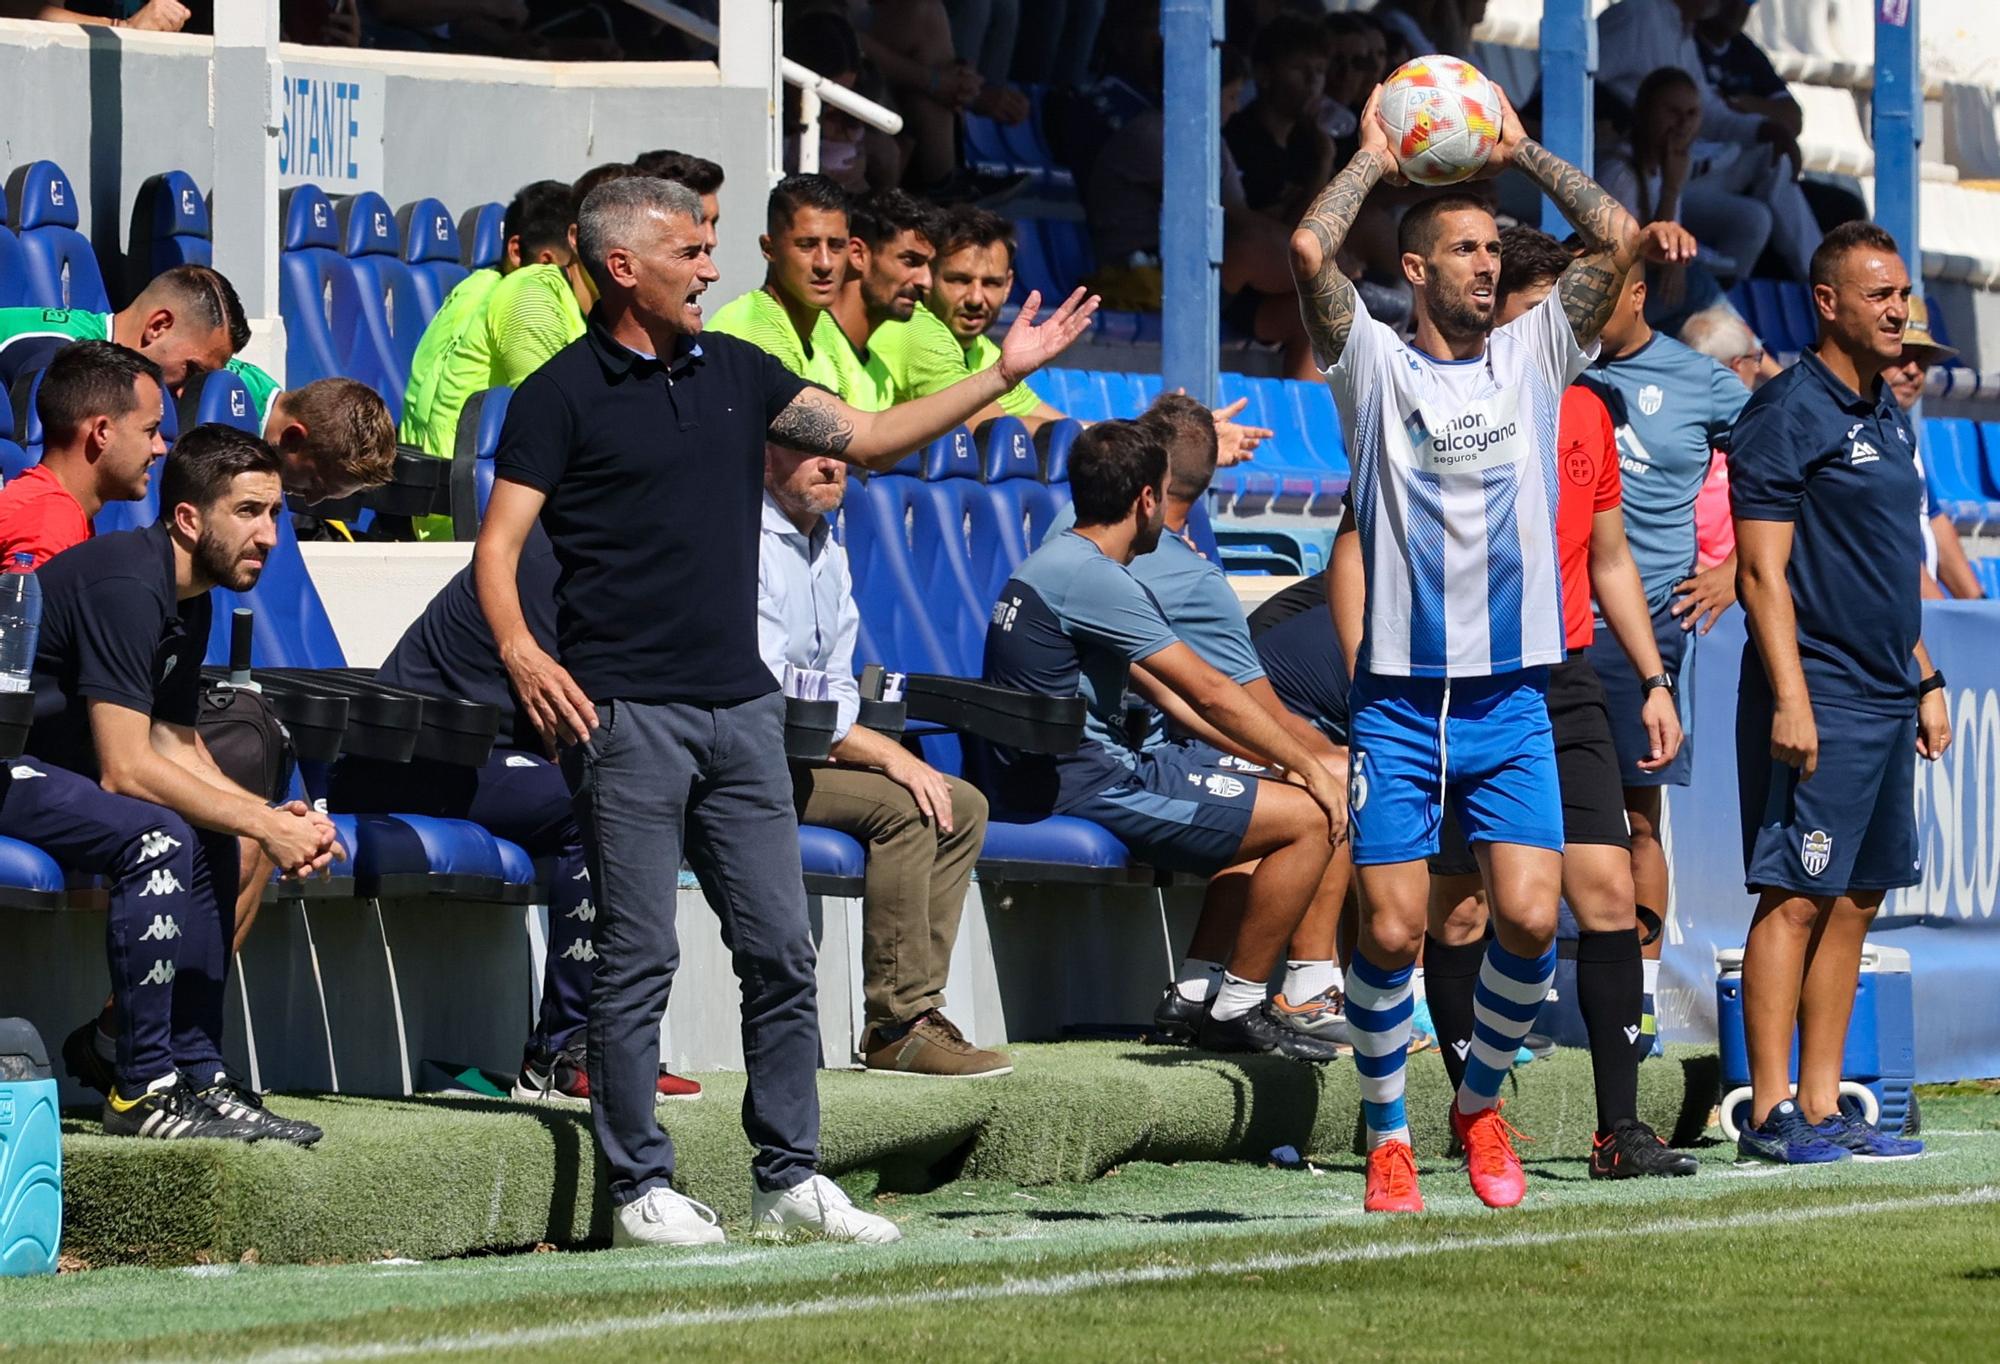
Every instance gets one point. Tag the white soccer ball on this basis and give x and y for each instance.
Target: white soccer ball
(1443, 118)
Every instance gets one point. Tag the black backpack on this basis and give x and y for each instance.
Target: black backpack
(247, 740)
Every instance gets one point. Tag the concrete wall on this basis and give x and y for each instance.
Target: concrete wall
(112, 108)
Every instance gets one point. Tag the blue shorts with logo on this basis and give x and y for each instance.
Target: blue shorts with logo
(1186, 807)
(1626, 699)
(1482, 742)
(1853, 825)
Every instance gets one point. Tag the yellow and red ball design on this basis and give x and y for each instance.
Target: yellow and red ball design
(1443, 118)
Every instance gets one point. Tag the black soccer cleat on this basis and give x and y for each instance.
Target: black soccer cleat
(1632, 1150)
(1261, 1032)
(82, 1061)
(172, 1112)
(235, 1100)
(1177, 1019)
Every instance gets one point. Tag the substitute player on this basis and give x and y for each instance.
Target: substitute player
(1455, 482)
(1827, 498)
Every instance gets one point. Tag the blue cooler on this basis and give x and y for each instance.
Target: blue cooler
(1880, 1064)
(30, 1153)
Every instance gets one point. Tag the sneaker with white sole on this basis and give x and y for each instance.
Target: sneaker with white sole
(819, 1205)
(661, 1217)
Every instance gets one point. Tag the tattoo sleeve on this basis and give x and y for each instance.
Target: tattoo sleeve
(1590, 287)
(812, 422)
(1326, 297)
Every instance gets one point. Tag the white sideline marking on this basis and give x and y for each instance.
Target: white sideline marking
(1061, 1285)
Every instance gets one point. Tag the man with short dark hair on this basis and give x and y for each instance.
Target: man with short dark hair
(1278, 146)
(1074, 619)
(188, 320)
(891, 245)
(100, 410)
(119, 783)
(698, 173)
(640, 450)
(805, 246)
(1827, 498)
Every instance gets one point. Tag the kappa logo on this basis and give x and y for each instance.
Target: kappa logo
(1357, 781)
(520, 760)
(585, 911)
(1631, 1032)
(1650, 399)
(1462, 1048)
(23, 772)
(161, 882)
(1004, 612)
(581, 950)
(162, 929)
(1815, 851)
(157, 842)
(583, 874)
(1224, 785)
(1236, 764)
(161, 974)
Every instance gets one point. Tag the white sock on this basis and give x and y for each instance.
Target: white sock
(1649, 974)
(1416, 982)
(1198, 980)
(1306, 980)
(1236, 998)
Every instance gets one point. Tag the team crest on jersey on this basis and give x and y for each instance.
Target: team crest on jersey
(1815, 851)
(1650, 399)
(1223, 785)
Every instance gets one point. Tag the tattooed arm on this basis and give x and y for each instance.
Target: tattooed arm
(1326, 297)
(819, 423)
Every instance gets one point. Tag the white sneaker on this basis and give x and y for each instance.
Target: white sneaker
(819, 1205)
(661, 1217)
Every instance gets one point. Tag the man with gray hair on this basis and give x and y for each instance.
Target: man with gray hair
(640, 449)
(1726, 339)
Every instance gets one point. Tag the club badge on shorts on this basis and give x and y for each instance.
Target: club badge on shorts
(1815, 851)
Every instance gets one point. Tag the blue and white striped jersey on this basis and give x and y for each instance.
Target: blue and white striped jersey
(1455, 495)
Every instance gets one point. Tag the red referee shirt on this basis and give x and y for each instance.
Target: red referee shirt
(1587, 469)
(39, 517)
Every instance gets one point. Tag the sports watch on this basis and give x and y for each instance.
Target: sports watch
(1660, 680)
(1935, 682)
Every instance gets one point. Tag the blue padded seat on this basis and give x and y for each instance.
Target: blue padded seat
(431, 250)
(170, 227)
(1059, 848)
(1056, 439)
(1008, 451)
(62, 268)
(223, 397)
(951, 456)
(482, 235)
(29, 877)
(414, 855)
(311, 271)
(383, 335)
(833, 862)
(896, 616)
(13, 263)
(479, 426)
(14, 461)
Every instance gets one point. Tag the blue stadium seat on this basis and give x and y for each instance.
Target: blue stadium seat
(1033, 267)
(832, 861)
(311, 271)
(482, 235)
(479, 424)
(1951, 449)
(430, 249)
(219, 396)
(1076, 393)
(1773, 319)
(1070, 256)
(170, 227)
(1989, 442)
(896, 616)
(391, 319)
(14, 461)
(985, 150)
(62, 269)
(1029, 149)
(1988, 569)
(1006, 451)
(13, 262)
(29, 877)
(951, 455)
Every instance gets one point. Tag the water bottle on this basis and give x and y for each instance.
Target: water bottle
(30, 1154)
(20, 623)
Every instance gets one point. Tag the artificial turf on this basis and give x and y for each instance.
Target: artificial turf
(447, 1175)
(1154, 1261)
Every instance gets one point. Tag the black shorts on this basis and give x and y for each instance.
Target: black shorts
(1593, 791)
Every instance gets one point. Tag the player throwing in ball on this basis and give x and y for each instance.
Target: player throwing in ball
(1455, 488)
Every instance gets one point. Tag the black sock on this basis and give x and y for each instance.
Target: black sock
(1450, 973)
(1608, 988)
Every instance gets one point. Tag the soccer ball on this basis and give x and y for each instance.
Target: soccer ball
(1443, 118)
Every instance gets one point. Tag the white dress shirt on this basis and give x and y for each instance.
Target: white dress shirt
(806, 616)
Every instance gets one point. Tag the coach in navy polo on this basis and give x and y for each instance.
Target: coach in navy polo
(640, 447)
(1836, 691)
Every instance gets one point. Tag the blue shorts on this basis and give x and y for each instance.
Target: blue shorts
(1483, 740)
(1853, 826)
(1186, 807)
(1625, 698)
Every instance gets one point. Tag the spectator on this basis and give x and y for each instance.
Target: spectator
(923, 830)
(851, 154)
(1945, 562)
(1073, 620)
(1745, 157)
(1354, 67)
(100, 406)
(1647, 172)
(910, 43)
(1062, 34)
(1283, 156)
(890, 247)
(1429, 26)
(805, 259)
(698, 173)
(983, 35)
(157, 16)
(187, 321)
(1726, 339)
(120, 785)
(1740, 73)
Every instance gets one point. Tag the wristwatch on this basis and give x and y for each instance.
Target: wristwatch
(1660, 680)
(1935, 682)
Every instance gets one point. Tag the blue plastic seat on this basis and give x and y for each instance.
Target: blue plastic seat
(431, 250)
(1006, 450)
(832, 861)
(1033, 267)
(480, 422)
(1057, 438)
(383, 335)
(1076, 393)
(219, 396)
(1774, 318)
(896, 616)
(29, 877)
(1952, 454)
(482, 235)
(62, 270)
(170, 227)
(985, 149)
(1070, 253)
(311, 272)
(13, 262)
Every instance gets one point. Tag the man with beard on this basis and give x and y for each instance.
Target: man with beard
(1073, 620)
(923, 829)
(890, 246)
(1455, 489)
(120, 785)
(805, 250)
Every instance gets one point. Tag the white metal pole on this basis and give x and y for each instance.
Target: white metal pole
(808, 130)
(244, 89)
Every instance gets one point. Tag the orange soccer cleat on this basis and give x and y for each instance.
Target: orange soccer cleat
(1489, 1156)
(1392, 1179)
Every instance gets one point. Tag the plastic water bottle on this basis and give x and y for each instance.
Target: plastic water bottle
(20, 623)
(30, 1154)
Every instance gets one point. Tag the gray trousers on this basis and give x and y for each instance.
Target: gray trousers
(656, 782)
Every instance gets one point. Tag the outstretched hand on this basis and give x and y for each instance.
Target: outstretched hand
(1234, 441)
(1029, 345)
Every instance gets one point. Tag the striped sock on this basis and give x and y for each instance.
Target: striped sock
(1378, 1024)
(1504, 1004)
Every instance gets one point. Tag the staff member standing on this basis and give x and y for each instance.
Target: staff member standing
(640, 447)
(1826, 499)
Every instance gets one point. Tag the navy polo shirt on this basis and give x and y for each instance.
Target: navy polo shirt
(449, 650)
(113, 630)
(1294, 636)
(654, 475)
(1840, 465)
